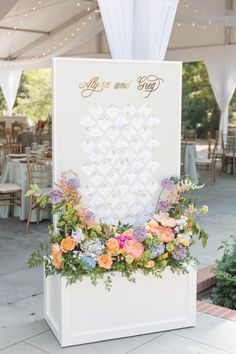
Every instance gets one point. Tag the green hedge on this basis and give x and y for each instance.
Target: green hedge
(224, 293)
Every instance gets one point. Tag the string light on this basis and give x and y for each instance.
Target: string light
(43, 54)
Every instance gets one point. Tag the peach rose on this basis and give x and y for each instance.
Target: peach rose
(153, 223)
(150, 264)
(165, 220)
(128, 233)
(68, 244)
(152, 226)
(105, 261)
(134, 248)
(112, 244)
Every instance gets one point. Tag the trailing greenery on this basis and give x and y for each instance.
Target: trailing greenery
(224, 293)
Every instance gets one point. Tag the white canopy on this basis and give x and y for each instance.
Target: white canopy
(34, 31)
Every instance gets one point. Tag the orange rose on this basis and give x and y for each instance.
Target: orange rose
(67, 244)
(105, 261)
(112, 244)
(57, 258)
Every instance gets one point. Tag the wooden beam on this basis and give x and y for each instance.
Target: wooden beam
(22, 30)
(5, 7)
(51, 34)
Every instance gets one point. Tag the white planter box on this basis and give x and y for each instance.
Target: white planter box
(82, 313)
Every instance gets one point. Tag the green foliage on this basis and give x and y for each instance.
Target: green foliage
(37, 257)
(3, 106)
(199, 107)
(34, 97)
(224, 293)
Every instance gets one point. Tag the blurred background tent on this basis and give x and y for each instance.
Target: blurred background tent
(32, 32)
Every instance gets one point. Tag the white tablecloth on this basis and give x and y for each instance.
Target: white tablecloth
(16, 172)
(190, 155)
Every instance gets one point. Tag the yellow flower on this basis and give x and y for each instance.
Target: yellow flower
(204, 209)
(163, 256)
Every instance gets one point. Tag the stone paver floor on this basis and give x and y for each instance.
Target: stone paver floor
(23, 330)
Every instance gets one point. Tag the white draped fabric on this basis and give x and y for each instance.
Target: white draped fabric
(138, 29)
(222, 74)
(9, 82)
(117, 18)
(153, 21)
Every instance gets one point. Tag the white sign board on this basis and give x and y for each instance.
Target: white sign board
(117, 125)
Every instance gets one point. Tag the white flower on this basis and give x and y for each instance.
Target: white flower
(77, 235)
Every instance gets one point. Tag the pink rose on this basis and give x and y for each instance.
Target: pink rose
(166, 234)
(134, 248)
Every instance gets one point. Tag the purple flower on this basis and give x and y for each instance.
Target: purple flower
(163, 206)
(55, 196)
(121, 240)
(167, 183)
(90, 216)
(179, 252)
(73, 183)
(157, 249)
(139, 234)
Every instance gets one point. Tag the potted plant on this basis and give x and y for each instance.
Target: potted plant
(148, 269)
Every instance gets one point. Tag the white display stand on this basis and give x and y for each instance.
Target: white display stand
(82, 313)
(117, 125)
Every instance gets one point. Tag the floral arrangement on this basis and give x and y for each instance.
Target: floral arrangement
(81, 245)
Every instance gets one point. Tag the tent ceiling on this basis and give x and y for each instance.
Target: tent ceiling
(32, 31)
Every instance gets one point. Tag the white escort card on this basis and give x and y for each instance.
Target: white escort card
(117, 125)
